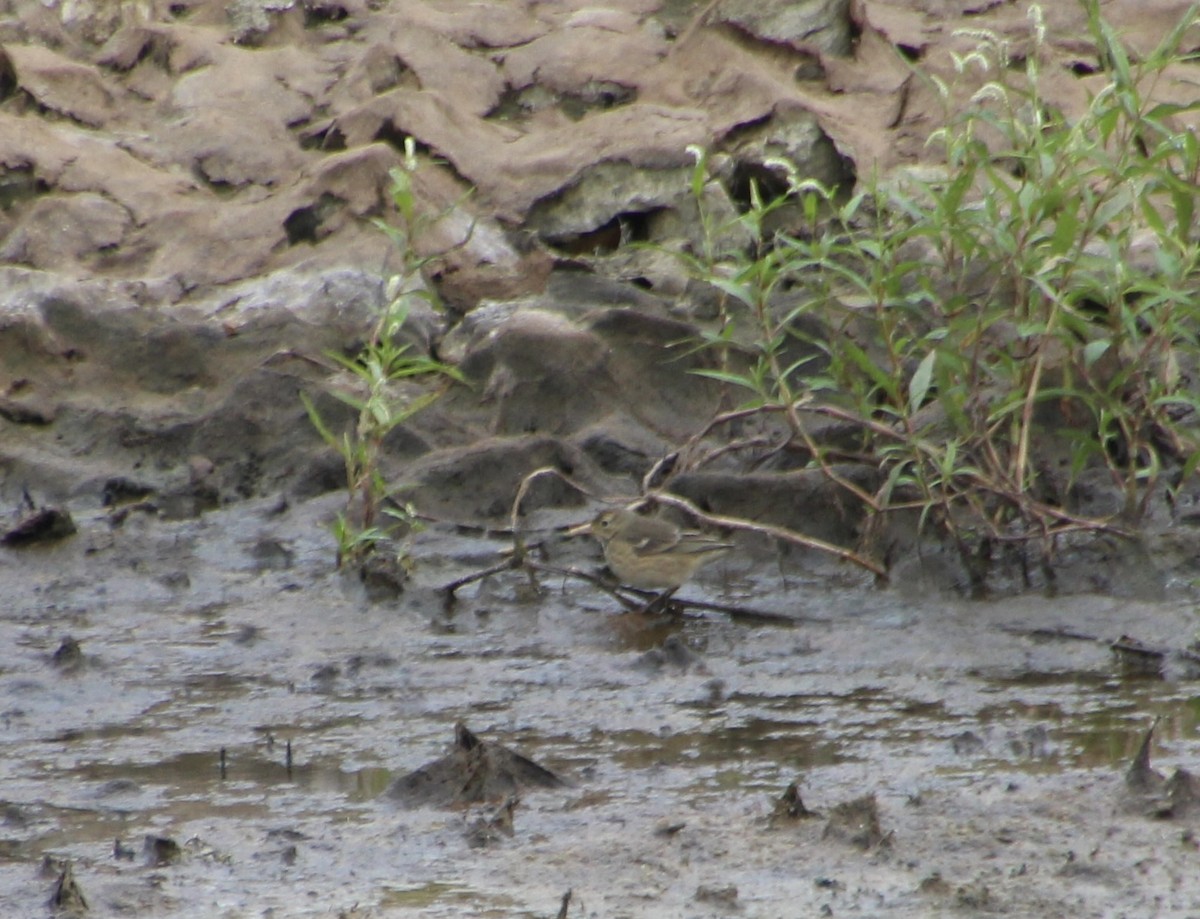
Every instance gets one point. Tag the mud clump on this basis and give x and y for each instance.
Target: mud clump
(473, 772)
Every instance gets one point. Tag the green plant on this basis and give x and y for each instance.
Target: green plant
(1032, 305)
(382, 368)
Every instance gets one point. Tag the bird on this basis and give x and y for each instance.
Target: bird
(649, 553)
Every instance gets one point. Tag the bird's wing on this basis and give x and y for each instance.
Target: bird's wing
(654, 545)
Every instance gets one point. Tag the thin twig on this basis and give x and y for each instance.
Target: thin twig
(509, 563)
(1000, 486)
(735, 446)
(523, 490)
(639, 599)
(606, 586)
(781, 533)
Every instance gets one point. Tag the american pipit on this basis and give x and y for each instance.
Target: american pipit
(650, 553)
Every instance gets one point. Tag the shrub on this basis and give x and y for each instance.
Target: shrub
(996, 327)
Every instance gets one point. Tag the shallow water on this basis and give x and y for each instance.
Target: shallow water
(995, 749)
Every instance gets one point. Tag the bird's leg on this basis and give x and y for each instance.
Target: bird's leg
(659, 603)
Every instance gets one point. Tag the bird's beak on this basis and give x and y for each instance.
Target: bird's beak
(582, 530)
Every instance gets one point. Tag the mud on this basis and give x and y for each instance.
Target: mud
(202, 716)
(993, 737)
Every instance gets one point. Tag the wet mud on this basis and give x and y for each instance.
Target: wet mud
(201, 716)
(193, 725)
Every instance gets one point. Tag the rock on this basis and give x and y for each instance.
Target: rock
(20, 411)
(60, 84)
(47, 524)
(604, 193)
(479, 482)
(674, 655)
(1149, 793)
(383, 576)
(526, 364)
(723, 895)
(595, 45)
(490, 828)
(251, 21)
(475, 770)
(822, 25)
(314, 309)
(161, 850)
(229, 152)
(789, 807)
(59, 230)
(805, 500)
(68, 656)
(794, 136)
(856, 822)
(67, 896)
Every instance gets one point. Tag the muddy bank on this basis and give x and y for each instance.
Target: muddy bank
(993, 737)
(203, 714)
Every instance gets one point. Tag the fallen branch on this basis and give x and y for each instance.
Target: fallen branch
(765, 529)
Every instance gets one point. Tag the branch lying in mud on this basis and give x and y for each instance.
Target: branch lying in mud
(519, 557)
(765, 529)
(636, 601)
(631, 599)
(1054, 520)
(985, 489)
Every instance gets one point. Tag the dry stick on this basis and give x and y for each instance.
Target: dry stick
(726, 418)
(737, 613)
(692, 442)
(745, 613)
(1036, 510)
(1008, 491)
(615, 593)
(523, 489)
(518, 558)
(810, 444)
(746, 443)
(798, 426)
(668, 465)
(790, 409)
(1039, 511)
(781, 533)
(511, 561)
(766, 529)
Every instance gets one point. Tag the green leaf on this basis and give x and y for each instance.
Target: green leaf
(918, 386)
(1184, 201)
(318, 422)
(1153, 217)
(810, 208)
(1173, 40)
(1066, 230)
(953, 195)
(1094, 350)
(402, 192)
(863, 361)
(740, 292)
(353, 364)
(699, 171)
(796, 365)
(949, 463)
(733, 379)
(353, 401)
(380, 412)
(1189, 467)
